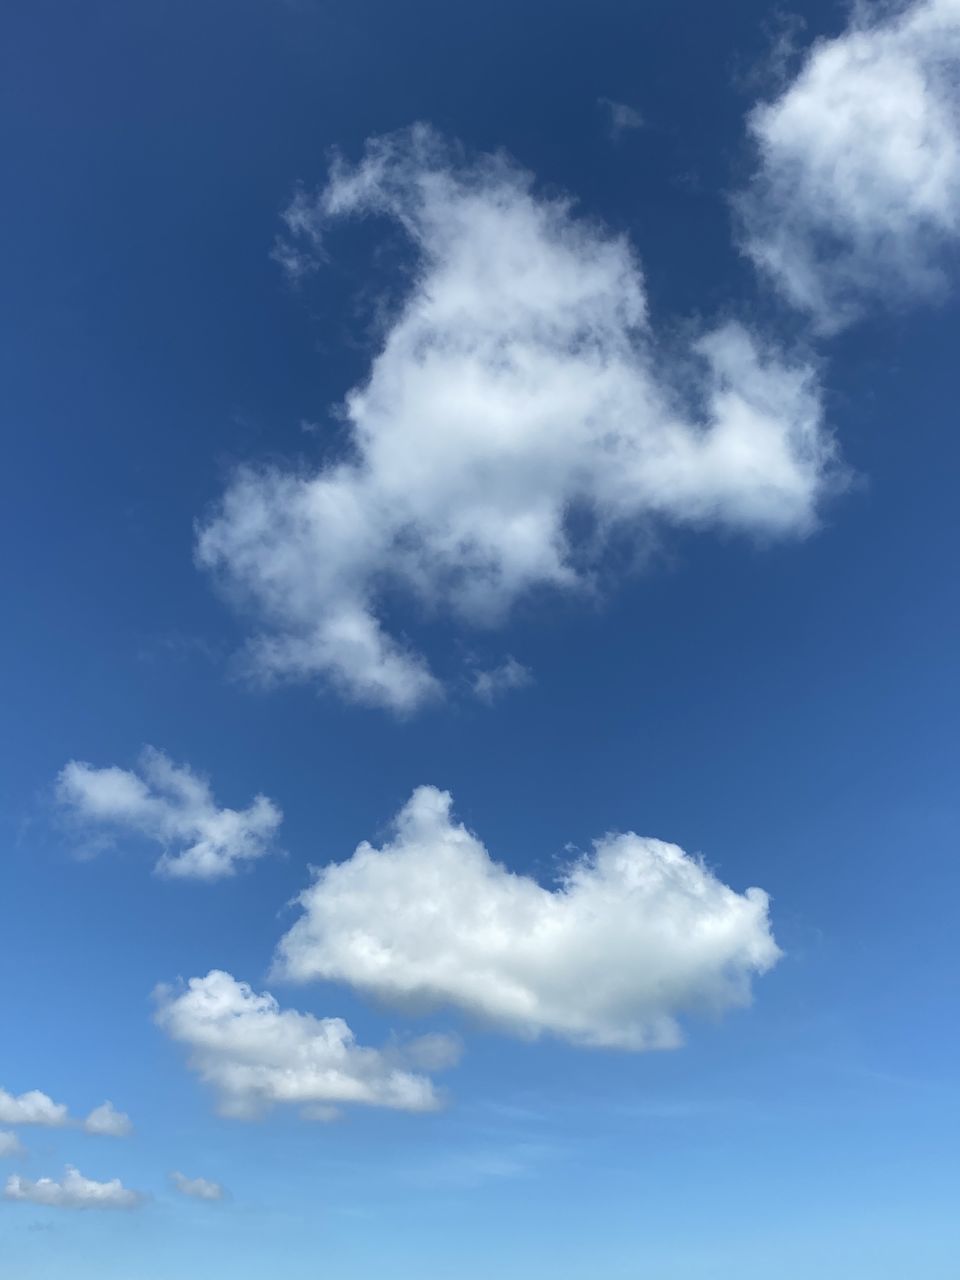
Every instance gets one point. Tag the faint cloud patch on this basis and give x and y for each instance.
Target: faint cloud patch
(620, 116)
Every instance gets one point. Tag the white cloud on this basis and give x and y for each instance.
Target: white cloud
(857, 193)
(174, 807)
(492, 684)
(106, 1120)
(256, 1054)
(519, 416)
(74, 1192)
(635, 935)
(198, 1188)
(33, 1107)
(10, 1145)
(36, 1108)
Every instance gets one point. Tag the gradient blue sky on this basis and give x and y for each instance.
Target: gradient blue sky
(787, 709)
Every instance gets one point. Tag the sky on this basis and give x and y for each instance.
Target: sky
(479, 668)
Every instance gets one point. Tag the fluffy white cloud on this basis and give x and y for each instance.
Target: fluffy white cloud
(857, 193)
(74, 1192)
(10, 1145)
(33, 1107)
(255, 1054)
(635, 935)
(198, 1188)
(36, 1108)
(106, 1120)
(172, 806)
(519, 416)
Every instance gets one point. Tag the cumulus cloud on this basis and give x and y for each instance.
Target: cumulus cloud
(857, 193)
(519, 417)
(635, 935)
(32, 1107)
(197, 1188)
(173, 807)
(36, 1108)
(73, 1192)
(106, 1120)
(10, 1145)
(255, 1054)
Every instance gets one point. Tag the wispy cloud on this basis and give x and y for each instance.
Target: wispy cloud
(173, 807)
(621, 117)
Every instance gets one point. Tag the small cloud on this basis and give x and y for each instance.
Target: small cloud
(74, 1192)
(198, 1188)
(257, 1055)
(174, 808)
(621, 118)
(33, 1107)
(493, 684)
(106, 1120)
(10, 1145)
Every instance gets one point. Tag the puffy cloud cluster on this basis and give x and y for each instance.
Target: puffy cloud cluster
(636, 934)
(173, 807)
(519, 415)
(73, 1192)
(197, 1188)
(36, 1108)
(857, 193)
(255, 1054)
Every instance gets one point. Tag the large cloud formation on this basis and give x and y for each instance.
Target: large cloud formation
(255, 1054)
(518, 416)
(172, 806)
(73, 1192)
(636, 934)
(857, 193)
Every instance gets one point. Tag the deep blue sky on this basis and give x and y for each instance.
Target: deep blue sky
(789, 711)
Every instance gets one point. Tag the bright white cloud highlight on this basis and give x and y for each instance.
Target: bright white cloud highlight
(857, 193)
(519, 415)
(635, 935)
(10, 1145)
(197, 1188)
(174, 807)
(255, 1054)
(73, 1192)
(108, 1121)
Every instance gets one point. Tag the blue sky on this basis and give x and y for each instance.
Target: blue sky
(645, 523)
